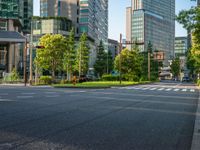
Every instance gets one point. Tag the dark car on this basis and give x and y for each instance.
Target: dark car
(83, 78)
(185, 79)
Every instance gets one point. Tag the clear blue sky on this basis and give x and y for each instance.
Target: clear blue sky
(117, 14)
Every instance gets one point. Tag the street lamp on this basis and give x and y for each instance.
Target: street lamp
(31, 55)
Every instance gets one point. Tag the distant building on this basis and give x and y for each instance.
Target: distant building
(13, 24)
(153, 21)
(113, 47)
(180, 51)
(52, 25)
(89, 16)
(181, 46)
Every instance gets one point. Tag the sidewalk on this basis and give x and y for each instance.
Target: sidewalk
(196, 134)
(22, 85)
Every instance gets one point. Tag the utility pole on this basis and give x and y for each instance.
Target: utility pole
(31, 55)
(120, 65)
(149, 64)
(25, 55)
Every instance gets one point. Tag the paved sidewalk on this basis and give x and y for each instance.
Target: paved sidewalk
(196, 135)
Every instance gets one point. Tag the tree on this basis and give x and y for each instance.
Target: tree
(131, 63)
(101, 60)
(175, 67)
(109, 61)
(190, 19)
(70, 55)
(50, 57)
(82, 57)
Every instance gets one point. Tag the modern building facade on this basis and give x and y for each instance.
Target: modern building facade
(90, 16)
(113, 47)
(13, 24)
(154, 21)
(181, 46)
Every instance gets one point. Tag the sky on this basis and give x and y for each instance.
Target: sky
(117, 16)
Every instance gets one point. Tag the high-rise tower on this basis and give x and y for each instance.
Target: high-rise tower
(154, 21)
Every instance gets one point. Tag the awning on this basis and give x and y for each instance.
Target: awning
(11, 36)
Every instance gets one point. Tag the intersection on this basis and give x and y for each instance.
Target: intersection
(151, 117)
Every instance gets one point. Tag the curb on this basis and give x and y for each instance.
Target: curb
(196, 134)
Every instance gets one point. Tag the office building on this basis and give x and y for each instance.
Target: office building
(153, 21)
(113, 47)
(181, 46)
(13, 24)
(90, 16)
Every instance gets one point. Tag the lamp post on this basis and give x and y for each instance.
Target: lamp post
(25, 55)
(31, 55)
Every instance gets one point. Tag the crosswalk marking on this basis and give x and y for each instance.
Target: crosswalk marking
(184, 90)
(150, 88)
(192, 90)
(160, 89)
(176, 90)
(168, 89)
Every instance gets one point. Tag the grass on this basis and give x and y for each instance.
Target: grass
(98, 84)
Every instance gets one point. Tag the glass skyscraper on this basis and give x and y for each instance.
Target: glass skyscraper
(90, 16)
(154, 21)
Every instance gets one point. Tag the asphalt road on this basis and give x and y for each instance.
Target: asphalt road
(145, 117)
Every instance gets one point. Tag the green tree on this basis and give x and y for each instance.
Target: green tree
(51, 56)
(82, 57)
(131, 63)
(190, 19)
(175, 67)
(70, 55)
(109, 61)
(101, 60)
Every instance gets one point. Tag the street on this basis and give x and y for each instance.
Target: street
(157, 116)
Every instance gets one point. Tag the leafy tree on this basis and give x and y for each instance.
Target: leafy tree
(109, 61)
(82, 57)
(101, 60)
(70, 55)
(175, 67)
(190, 19)
(131, 63)
(51, 56)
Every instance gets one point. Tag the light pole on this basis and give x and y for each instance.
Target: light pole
(31, 55)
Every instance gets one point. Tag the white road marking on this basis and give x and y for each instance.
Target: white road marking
(152, 89)
(49, 96)
(168, 89)
(176, 90)
(184, 90)
(28, 93)
(192, 90)
(160, 89)
(6, 100)
(24, 96)
(50, 92)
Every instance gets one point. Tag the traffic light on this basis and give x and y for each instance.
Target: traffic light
(40, 47)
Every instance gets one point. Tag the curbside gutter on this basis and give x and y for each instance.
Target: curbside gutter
(196, 134)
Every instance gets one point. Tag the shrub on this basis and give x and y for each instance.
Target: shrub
(11, 77)
(109, 77)
(198, 82)
(45, 80)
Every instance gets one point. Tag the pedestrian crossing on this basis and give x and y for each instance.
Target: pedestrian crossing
(166, 89)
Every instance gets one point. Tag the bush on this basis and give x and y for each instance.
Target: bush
(45, 80)
(198, 82)
(12, 77)
(109, 77)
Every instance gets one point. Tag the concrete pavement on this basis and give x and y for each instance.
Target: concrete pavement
(143, 117)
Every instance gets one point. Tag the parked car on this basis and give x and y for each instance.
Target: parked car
(185, 79)
(83, 78)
